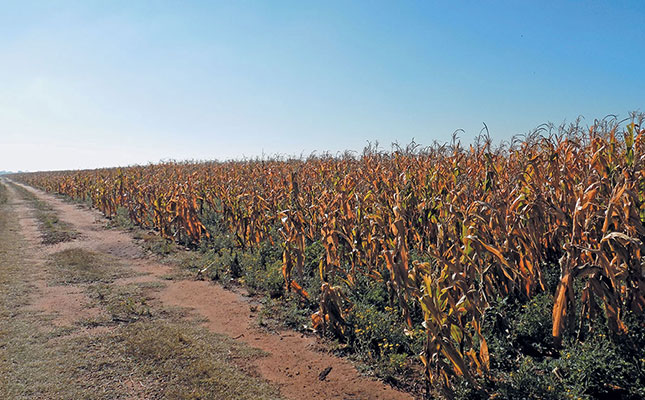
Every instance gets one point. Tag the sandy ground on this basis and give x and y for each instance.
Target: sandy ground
(293, 363)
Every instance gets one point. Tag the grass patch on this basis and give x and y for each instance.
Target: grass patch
(139, 360)
(3, 194)
(277, 314)
(157, 245)
(120, 220)
(192, 362)
(124, 304)
(54, 230)
(74, 266)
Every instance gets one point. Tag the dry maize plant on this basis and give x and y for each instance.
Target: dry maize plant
(447, 228)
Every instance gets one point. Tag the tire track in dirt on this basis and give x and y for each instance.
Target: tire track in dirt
(65, 303)
(294, 363)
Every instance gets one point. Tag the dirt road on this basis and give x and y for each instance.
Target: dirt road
(292, 363)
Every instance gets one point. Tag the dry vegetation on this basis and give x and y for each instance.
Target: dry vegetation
(75, 265)
(513, 270)
(136, 350)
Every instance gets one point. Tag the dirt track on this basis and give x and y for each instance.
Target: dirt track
(293, 363)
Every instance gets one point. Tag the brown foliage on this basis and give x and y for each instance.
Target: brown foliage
(489, 219)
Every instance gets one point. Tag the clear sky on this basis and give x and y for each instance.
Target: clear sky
(85, 84)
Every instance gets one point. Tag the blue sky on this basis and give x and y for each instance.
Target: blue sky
(85, 84)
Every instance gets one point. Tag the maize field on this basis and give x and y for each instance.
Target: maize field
(446, 228)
